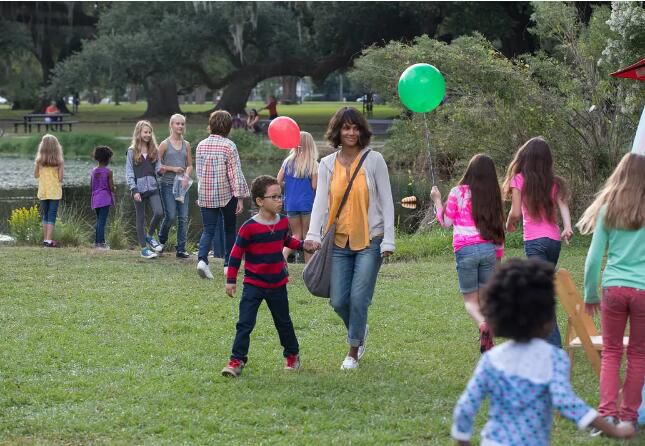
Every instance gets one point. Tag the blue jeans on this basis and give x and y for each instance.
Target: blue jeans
(475, 265)
(223, 245)
(278, 304)
(548, 250)
(213, 222)
(352, 286)
(174, 209)
(101, 222)
(48, 211)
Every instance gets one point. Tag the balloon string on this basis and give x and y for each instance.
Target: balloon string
(427, 134)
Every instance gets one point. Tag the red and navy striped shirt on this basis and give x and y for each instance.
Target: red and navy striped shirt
(261, 246)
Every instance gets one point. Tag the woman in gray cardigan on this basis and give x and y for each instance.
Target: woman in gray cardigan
(365, 227)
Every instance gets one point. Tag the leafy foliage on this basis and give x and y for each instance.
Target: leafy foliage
(24, 225)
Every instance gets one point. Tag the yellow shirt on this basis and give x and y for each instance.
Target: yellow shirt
(352, 226)
(49, 186)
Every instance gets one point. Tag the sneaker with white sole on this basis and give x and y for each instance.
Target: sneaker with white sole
(147, 253)
(349, 363)
(204, 271)
(155, 245)
(361, 348)
(292, 362)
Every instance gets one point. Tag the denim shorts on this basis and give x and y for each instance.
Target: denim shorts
(475, 265)
(543, 248)
(298, 213)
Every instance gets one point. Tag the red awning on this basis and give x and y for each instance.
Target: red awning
(635, 71)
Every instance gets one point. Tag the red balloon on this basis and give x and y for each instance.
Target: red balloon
(284, 133)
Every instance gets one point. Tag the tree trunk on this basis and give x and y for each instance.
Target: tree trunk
(236, 93)
(289, 94)
(162, 98)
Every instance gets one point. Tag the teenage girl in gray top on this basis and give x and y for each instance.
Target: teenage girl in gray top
(176, 159)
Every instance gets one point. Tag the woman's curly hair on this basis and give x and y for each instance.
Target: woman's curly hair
(519, 299)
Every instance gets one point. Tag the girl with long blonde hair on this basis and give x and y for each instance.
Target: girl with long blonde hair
(142, 166)
(617, 219)
(48, 170)
(299, 175)
(176, 165)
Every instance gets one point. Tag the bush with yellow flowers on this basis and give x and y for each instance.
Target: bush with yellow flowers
(24, 225)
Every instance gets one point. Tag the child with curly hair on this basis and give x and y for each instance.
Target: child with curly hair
(526, 377)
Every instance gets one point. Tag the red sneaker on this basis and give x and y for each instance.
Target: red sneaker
(485, 338)
(234, 368)
(292, 362)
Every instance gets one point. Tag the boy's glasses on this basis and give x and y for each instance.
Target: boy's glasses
(275, 197)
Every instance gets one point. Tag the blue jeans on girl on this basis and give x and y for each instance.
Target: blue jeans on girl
(352, 286)
(213, 222)
(101, 222)
(548, 250)
(48, 211)
(174, 209)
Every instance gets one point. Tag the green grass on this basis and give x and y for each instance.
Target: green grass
(118, 120)
(108, 348)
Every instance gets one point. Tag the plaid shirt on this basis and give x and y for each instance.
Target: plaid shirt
(219, 173)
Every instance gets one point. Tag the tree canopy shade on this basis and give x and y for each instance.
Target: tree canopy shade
(47, 31)
(167, 46)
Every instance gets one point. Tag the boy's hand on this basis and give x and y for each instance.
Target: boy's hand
(311, 246)
(230, 289)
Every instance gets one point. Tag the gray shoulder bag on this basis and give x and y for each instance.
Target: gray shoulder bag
(317, 273)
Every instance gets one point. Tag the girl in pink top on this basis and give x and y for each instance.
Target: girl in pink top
(474, 209)
(536, 192)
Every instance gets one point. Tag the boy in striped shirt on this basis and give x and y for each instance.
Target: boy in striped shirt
(260, 241)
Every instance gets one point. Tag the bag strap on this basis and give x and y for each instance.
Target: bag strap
(351, 181)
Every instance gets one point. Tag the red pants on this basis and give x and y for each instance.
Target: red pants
(619, 304)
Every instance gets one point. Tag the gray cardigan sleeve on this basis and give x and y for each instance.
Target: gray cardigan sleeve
(382, 177)
(321, 204)
(129, 172)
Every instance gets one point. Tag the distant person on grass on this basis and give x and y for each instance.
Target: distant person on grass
(260, 242)
(176, 167)
(102, 187)
(252, 121)
(365, 226)
(271, 107)
(299, 175)
(474, 208)
(141, 168)
(49, 172)
(221, 189)
(525, 378)
(52, 109)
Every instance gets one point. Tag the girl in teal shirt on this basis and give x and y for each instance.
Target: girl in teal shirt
(617, 220)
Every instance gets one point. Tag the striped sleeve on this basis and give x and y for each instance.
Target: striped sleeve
(235, 258)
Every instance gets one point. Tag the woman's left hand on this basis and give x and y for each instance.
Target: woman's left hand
(385, 254)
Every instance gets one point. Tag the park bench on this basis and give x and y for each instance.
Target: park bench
(380, 126)
(52, 122)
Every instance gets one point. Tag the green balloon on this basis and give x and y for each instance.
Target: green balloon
(421, 87)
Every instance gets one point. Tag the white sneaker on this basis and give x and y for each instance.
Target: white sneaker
(204, 271)
(361, 348)
(349, 363)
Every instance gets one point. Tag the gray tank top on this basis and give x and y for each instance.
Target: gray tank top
(174, 158)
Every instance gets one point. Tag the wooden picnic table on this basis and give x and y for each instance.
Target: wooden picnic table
(53, 121)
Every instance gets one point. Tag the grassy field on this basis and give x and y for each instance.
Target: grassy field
(108, 348)
(119, 120)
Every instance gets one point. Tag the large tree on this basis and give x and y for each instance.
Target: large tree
(47, 31)
(232, 45)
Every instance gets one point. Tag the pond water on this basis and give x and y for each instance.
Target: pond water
(18, 189)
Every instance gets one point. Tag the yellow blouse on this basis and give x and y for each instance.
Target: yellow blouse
(352, 227)
(49, 186)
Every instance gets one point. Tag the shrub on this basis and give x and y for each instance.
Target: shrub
(72, 228)
(117, 229)
(24, 225)
(74, 144)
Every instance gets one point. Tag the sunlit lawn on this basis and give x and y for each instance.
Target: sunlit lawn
(108, 348)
